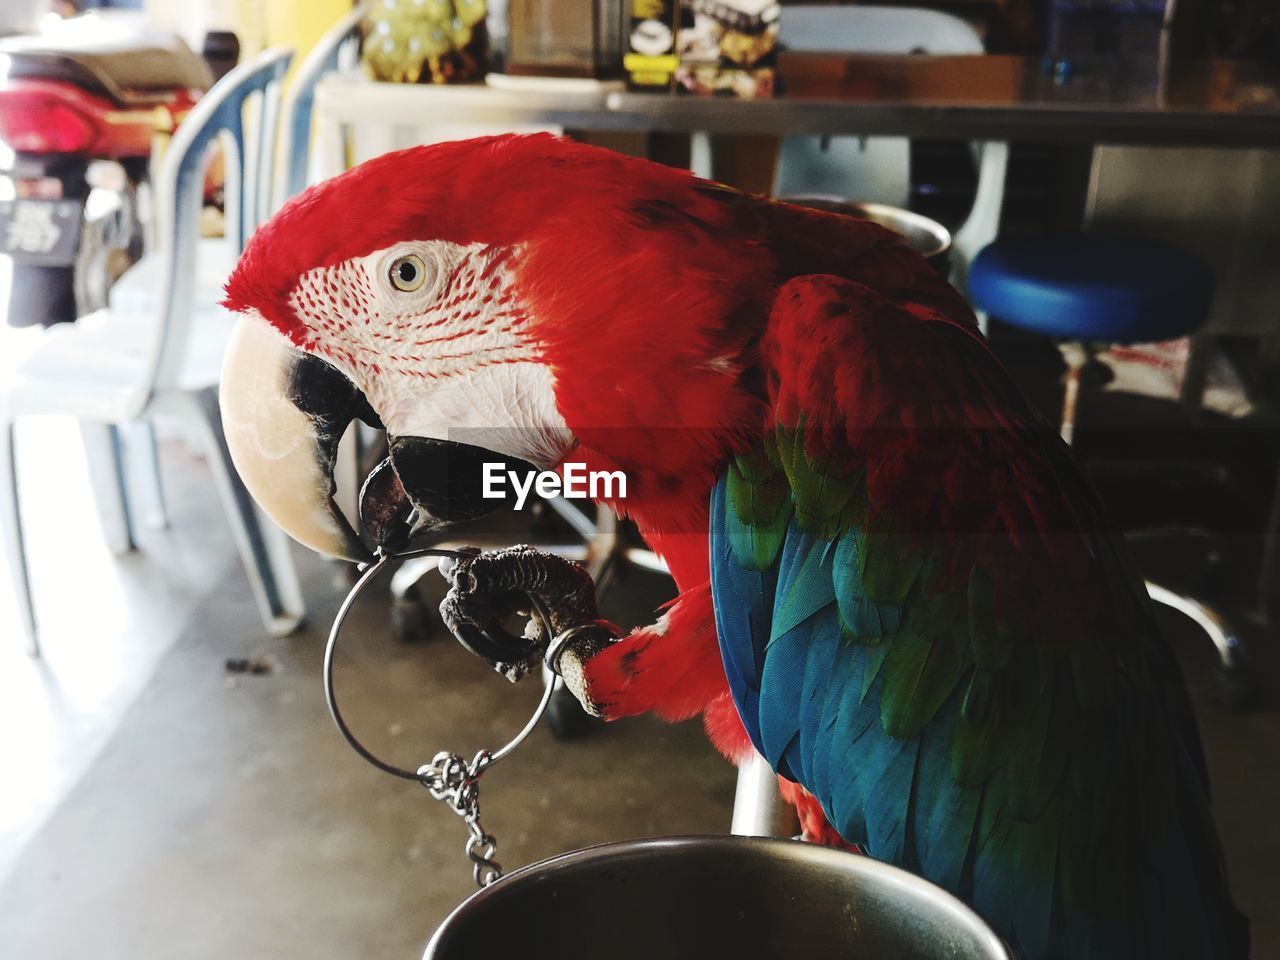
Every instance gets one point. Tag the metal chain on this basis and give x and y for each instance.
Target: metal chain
(447, 777)
(451, 779)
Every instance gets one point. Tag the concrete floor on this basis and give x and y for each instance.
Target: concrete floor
(226, 817)
(221, 815)
(200, 815)
(105, 620)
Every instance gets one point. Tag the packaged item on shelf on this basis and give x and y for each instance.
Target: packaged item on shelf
(651, 59)
(729, 47)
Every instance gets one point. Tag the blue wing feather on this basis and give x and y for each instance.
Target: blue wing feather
(944, 813)
(818, 677)
(743, 614)
(1062, 812)
(804, 651)
(804, 590)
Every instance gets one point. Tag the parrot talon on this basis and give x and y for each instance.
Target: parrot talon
(449, 564)
(476, 621)
(485, 587)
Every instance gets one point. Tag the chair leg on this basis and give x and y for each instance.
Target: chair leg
(758, 809)
(575, 517)
(1270, 557)
(983, 223)
(104, 451)
(1241, 685)
(145, 460)
(15, 553)
(1076, 358)
(1196, 378)
(264, 549)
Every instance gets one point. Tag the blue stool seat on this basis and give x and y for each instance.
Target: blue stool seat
(1083, 287)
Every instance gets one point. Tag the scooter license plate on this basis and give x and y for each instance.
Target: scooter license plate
(43, 232)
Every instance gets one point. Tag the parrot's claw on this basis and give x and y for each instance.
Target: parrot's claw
(476, 620)
(486, 587)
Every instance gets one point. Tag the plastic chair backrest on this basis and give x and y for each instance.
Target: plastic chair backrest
(338, 49)
(827, 29)
(245, 101)
(864, 169)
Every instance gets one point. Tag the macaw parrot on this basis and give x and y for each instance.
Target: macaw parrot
(894, 583)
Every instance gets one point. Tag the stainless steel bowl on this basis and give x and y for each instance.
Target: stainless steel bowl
(925, 236)
(704, 897)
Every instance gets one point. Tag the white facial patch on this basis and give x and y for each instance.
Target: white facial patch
(509, 408)
(432, 334)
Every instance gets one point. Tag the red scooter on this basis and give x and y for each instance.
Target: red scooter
(79, 110)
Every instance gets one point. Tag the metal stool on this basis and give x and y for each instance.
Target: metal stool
(1111, 289)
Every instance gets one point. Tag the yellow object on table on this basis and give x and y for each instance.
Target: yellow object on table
(441, 41)
(298, 23)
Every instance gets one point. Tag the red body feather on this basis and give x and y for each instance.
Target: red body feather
(686, 325)
(680, 273)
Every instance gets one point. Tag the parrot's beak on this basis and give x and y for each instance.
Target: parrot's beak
(284, 412)
(426, 485)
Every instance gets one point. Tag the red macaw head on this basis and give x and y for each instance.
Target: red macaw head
(508, 298)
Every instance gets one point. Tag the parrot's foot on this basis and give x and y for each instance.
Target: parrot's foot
(814, 825)
(485, 588)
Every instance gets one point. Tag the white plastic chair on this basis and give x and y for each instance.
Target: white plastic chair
(338, 49)
(117, 366)
(137, 292)
(864, 168)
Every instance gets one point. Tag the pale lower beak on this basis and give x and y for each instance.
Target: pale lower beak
(283, 413)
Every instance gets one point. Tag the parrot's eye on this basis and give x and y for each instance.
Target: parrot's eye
(408, 273)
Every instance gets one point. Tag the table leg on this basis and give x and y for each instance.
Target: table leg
(330, 146)
(700, 163)
(1196, 378)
